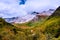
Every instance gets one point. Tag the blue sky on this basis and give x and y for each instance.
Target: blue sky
(13, 8)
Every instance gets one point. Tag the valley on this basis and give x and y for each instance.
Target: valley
(47, 28)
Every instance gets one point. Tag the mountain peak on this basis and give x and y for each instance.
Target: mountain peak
(56, 13)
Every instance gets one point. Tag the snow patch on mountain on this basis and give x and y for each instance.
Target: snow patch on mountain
(23, 19)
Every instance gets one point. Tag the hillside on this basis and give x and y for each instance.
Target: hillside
(54, 19)
(3, 23)
(49, 29)
(9, 31)
(51, 26)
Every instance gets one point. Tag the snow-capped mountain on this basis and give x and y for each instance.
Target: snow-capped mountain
(34, 16)
(23, 19)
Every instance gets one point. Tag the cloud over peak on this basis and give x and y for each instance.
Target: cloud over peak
(11, 8)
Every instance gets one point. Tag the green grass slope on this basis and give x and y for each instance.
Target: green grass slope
(53, 20)
(10, 32)
(51, 26)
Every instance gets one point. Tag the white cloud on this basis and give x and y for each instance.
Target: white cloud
(36, 5)
(10, 8)
(40, 5)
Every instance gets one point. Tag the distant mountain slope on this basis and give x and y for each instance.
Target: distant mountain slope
(33, 16)
(23, 19)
